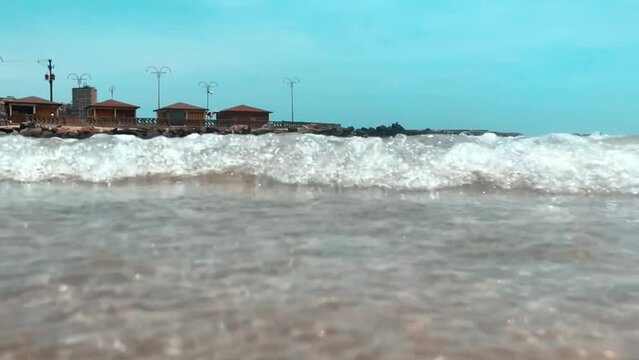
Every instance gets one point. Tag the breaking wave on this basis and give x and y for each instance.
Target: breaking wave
(554, 163)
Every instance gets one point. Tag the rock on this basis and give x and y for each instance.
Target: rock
(84, 134)
(240, 129)
(211, 130)
(348, 131)
(320, 129)
(150, 134)
(177, 132)
(31, 132)
(365, 132)
(67, 134)
(131, 131)
(396, 128)
(382, 130)
(46, 134)
(309, 129)
(27, 125)
(262, 131)
(508, 134)
(393, 130)
(31, 129)
(183, 132)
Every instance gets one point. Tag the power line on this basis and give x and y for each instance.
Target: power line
(18, 61)
(291, 82)
(158, 73)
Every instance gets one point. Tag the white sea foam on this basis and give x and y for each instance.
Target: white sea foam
(553, 163)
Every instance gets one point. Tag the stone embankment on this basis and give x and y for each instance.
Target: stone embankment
(32, 129)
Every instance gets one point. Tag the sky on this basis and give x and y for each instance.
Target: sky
(535, 66)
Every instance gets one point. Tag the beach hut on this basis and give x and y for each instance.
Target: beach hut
(182, 114)
(17, 109)
(111, 109)
(243, 115)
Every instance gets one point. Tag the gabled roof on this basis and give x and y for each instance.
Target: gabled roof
(112, 104)
(181, 106)
(31, 100)
(245, 108)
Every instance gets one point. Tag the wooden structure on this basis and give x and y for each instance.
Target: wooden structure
(17, 109)
(111, 109)
(182, 114)
(243, 115)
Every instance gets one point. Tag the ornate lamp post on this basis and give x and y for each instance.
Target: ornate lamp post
(158, 73)
(79, 78)
(209, 86)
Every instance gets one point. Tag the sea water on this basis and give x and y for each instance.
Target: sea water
(312, 247)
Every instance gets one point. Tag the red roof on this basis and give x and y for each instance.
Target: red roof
(181, 106)
(112, 104)
(31, 100)
(245, 108)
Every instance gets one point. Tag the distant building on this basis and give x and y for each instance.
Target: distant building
(17, 109)
(243, 115)
(82, 97)
(111, 109)
(182, 114)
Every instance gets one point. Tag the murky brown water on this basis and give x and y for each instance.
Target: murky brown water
(199, 270)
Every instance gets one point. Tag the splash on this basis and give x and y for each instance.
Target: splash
(553, 163)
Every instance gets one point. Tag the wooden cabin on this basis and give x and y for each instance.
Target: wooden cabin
(243, 115)
(17, 109)
(180, 113)
(111, 109)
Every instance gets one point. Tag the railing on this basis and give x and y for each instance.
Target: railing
(227, 123)
(254, 124)
(297, 124)
(74, 120)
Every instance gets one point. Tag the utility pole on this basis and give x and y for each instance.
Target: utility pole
(111, 90)
(50, 77)
(79, 78)
(291, 82)
(208, 86)
(158, 73)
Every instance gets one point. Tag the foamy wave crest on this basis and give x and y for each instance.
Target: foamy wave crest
(552, 163)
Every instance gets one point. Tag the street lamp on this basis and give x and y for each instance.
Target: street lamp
(291, 82)
(79, 78)
(112, 90)
(158, 73)
(209, 86)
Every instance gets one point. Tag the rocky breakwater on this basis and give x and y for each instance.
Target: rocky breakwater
(32, 129)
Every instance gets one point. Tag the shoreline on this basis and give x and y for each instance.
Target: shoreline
(31, 129)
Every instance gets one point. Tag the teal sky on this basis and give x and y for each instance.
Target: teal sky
(530, 66)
